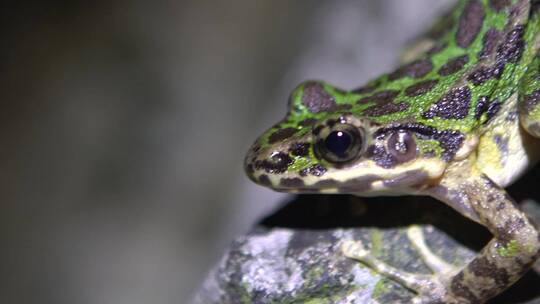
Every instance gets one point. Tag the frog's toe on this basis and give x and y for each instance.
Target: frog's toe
(434, 262)
(354, 250)
(419, 283)
(430, 288)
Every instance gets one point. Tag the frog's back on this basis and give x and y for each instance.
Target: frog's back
(477, 56)
(467, 83)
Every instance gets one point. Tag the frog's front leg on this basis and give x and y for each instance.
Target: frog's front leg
(529, 98)
(512, 251)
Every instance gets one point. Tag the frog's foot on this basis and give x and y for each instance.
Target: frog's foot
(429, 287)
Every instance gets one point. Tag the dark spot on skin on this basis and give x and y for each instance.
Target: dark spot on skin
(510, 50)
(316, 170)
(249, 169)
(460, 289)
(291, 182)
(327, 183)
(508, 232)
(436, 49)
(512, 116)
(342, 107)
(415, 69)
(331, 122)
(281, 135)
(421, 88)
(454, 65)
(530, 102)
(485, 106)
(491, 197)
(500, 206)
(316, 99)
(498, 5)
(380, 156)
(277, 164)
(470, 23)
(308, 122)
(380, 97)
(364, 90)
(491, 37)
(512, 47)
(482, 267)
(299, 149)
(384, 103)
(256, 148)
(264, 180)
(317, 130)
(386, 108)
(451, 141)
(518, 10)
(453, 105)
(481, 106)
(482, 74)
(492, 110)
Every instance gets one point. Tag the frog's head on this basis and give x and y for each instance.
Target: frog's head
(324, 145)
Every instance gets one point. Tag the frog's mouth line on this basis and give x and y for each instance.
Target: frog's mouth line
(367, 185)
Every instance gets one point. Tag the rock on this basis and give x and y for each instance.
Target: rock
(294, 255)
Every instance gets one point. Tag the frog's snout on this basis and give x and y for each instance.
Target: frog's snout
(260, 163)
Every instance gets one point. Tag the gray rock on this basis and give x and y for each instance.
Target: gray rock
(294, 255)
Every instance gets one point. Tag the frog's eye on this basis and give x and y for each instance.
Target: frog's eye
(402, 146)
(340, 144)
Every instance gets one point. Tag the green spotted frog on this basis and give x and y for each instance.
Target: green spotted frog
(459, 120)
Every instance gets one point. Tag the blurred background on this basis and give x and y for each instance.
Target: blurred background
(124, 126)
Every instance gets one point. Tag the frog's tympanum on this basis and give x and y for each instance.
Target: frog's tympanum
(459, 121)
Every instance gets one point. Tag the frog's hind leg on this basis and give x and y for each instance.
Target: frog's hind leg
(356, 250)
(529, 98)
(427, 286)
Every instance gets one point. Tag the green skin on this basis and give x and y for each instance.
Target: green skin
(459, 121)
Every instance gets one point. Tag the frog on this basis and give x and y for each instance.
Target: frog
(458, 120)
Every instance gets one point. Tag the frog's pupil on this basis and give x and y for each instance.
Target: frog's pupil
(338, 142)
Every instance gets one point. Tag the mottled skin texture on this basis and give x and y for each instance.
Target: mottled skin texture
(458, 121)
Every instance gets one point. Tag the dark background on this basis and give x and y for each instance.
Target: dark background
(124, 125)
